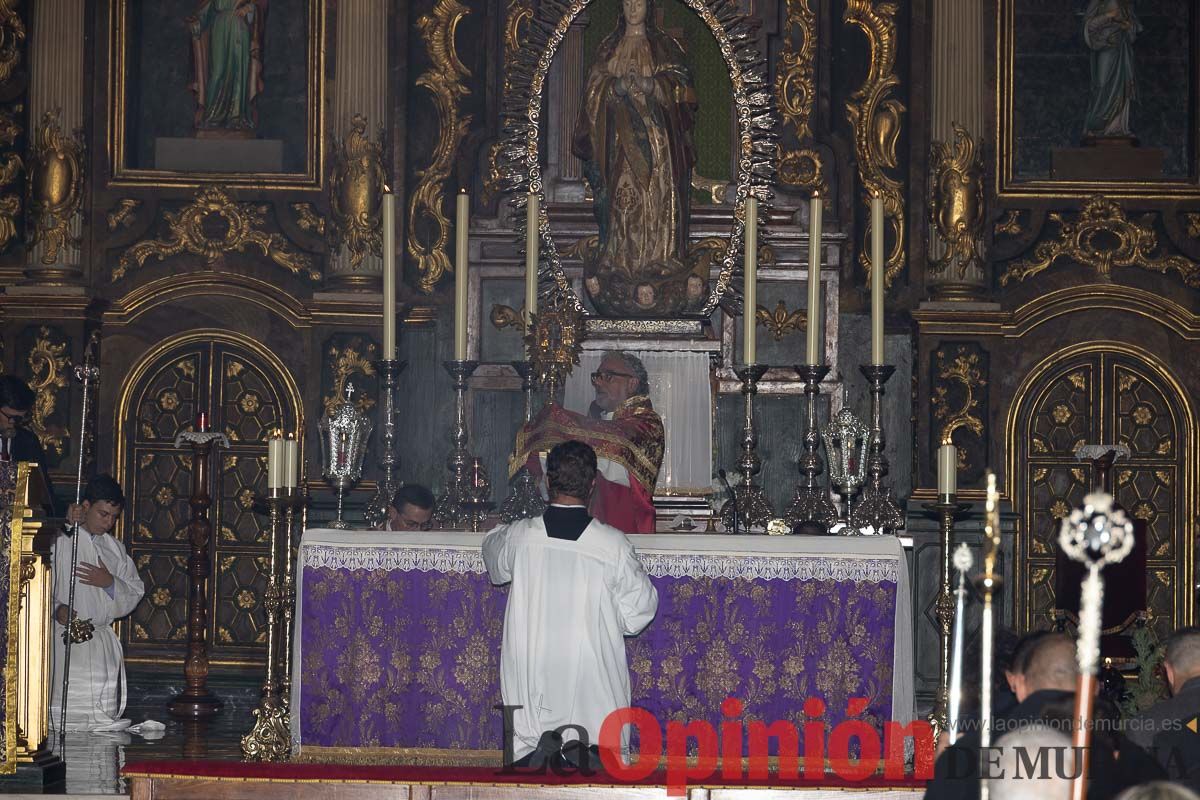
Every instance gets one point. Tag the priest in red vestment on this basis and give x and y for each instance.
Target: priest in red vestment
(626, 434)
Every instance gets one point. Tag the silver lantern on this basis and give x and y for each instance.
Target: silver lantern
(344, 432)
(846, 440)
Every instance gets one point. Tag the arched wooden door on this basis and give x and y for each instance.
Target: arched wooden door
(247, 393)
(1104, 393)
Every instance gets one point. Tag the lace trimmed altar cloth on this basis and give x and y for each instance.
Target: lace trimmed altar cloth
(397, 652)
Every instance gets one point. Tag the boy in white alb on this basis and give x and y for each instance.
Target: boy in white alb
(577, 591)
(107, 587)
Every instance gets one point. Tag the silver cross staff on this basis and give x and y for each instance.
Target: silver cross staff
(962, 563)
(1094, 535)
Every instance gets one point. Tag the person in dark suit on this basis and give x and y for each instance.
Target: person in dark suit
(1045, 696)
(1163, 728)
(17, 442)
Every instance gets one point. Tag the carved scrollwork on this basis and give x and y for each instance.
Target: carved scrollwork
(122, 214)
(12, 37)
(781, 322)
(11, 166)
(795, 94)
(55, 186)
(516, 26)
(956, 202)
(1103, 237)
(343, 361)
(958, 404)
(49, 370)
(1010, 224)
(875, 118)
(356, 183)
(1193, 225)
(308, 219)
(238, 228)
(446, 81)
(503, 316)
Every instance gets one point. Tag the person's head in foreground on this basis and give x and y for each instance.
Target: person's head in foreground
(1035, 762)
(1158, 790)
(571, 473)
(620, 377)
(1051, 666)
(1182, 659)
(411, 508)
(102, 504)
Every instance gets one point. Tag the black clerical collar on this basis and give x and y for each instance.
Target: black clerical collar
(566, 522)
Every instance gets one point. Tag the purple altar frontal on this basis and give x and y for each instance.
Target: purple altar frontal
(397, 655)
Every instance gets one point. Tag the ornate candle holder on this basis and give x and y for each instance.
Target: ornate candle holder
(947, 509)
(288, 586)
(451, 510)
(753, 507)
(877, 509)
(524, 498)
(479, 501)
(344, 434)
(389, 372)
(811, 512)
(846, 447)
(270, 739)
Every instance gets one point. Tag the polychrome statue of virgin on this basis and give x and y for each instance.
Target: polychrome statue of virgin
(634, 135)
(227, 54)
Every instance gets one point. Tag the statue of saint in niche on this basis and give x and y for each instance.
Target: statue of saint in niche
(227, 54)
(1110, 28)
(634, 135)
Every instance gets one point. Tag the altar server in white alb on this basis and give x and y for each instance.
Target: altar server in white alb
(107, 587)
(577, 591)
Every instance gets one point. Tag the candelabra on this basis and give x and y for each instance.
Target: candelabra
(344, 434)
(811, 512)
(270, 738)
(877, 509)
(524, 499)
(947, 509)
(752, 505)
(196, 701)
(451, 509)
(389, 372)
(288, 588)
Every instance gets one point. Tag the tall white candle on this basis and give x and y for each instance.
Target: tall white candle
(877, 288)
(291, 463)
(531, 255)
(460, 276)
(274, 461)
(816, 320)
(750, 290)
(947, 470)
(389, 274)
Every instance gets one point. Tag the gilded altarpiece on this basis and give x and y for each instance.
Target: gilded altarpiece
(246, 397)
(1105, 396)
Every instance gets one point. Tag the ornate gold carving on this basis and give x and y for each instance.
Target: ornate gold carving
(1193, 225)
(963, 368)
(345, 362)
(584, 248)
(956, 202)
(55, 186)
(308, 219)
(712, 250)
(270, 739)
(122, 213)
(10, 170)
(12, 36)
(505, 316)
(781, 322)
(241, 223)
(795, 94)
(445, 80)
(48, 370)
(554, 342)
(356, 183)
(1103, 238)
(1010, 225)
(875, 118)
(516, 25)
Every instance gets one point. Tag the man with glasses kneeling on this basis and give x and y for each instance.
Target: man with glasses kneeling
(17, 442)
(624, 430)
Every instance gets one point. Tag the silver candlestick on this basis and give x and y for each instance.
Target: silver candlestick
(452, 509)
(811, 512)
(752, 507)
(846, 448)
(389, 372)
(344, 433)
(877, 509)
(525, 498)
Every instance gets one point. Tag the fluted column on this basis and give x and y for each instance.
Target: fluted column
(56, 54)
(958, 98)
(360, 87)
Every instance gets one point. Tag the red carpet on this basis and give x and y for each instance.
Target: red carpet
(336, 773)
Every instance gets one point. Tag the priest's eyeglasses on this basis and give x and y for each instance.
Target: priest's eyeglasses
(606, 375)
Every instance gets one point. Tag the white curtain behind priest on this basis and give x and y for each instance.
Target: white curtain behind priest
(681, 390)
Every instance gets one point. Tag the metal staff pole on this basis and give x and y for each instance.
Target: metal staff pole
(962, 564)
(85, 373)
(989, 583)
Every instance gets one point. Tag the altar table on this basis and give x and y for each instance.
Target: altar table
(397, 648)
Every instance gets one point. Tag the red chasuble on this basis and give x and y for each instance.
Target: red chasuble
(633, 439)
